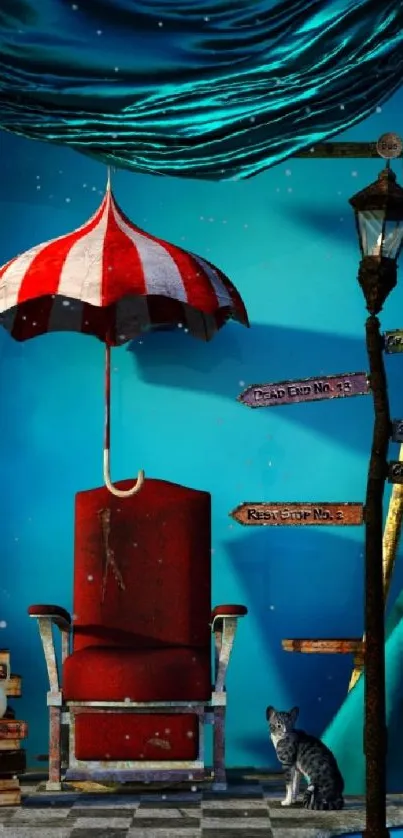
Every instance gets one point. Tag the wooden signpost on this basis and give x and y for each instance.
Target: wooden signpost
(298, 514)
(306, 390)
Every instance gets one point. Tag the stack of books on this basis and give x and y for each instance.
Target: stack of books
(12, 731)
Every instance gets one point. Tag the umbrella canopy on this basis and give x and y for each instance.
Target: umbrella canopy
(112, 280)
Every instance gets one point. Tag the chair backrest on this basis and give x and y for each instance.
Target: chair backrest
(157, 583)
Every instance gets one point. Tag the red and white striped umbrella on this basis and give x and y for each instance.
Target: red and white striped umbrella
(112, 280)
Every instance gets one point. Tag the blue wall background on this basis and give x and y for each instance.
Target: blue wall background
(287, 239)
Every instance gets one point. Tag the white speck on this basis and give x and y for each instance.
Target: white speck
(127, 736)
(35, 324)
(99, 31)
(339, 192)
(201, 218)
(269, 463)
(241, 383)
(207, 19)
(38, 177)
(38, 187)
(312, 150)
(16, 538)
(167, 730)
(211, 219)
(163, 797)
(319, 698)
(60, 171)
(288, 172)
(271, 607)
(354, 174)
(289, 189)
(114, 136)
(278, 189)
(116, 69)
(74, 7)
(66, 302)
(190, 776)
(189, 734)
(160, 23)
(307, 110)
(224, 221)
(378, 109)
(246, 226)
(127, 700)
(3, 624)
(252, 119)
(342, 107)
(193, 788)
(94, 189)
(90, 578)
(341, 219)
(68, 200)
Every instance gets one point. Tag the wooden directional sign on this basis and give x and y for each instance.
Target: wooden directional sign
(397, 430)
(395, 471)
(306, 390)
(298, 514)
(393, 341)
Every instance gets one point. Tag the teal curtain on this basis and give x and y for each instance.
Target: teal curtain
(195, 88)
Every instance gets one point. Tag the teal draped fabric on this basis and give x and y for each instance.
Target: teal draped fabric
(195, 88)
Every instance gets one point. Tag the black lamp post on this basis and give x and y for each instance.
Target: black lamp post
(379, 218)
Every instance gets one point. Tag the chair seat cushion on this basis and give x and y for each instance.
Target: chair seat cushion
(114, 674)
(136, 736)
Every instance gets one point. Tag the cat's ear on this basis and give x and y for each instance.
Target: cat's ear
(269, 712)
(294, 713)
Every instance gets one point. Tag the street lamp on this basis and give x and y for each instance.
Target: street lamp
(379, 219)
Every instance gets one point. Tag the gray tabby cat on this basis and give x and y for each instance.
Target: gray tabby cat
(302, 754)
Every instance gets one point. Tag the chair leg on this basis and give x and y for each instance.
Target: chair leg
(54, 781)
(220, 776)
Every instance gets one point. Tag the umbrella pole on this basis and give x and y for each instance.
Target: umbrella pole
(107, 437)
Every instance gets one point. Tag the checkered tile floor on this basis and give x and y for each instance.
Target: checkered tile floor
(250, 808)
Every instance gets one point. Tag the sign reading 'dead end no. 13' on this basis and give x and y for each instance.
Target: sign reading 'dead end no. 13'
(305, 390)
(293, 514)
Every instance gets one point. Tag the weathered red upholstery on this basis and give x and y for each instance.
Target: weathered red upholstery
(107, 674)
(150, 641)
(121, 737)
(161, 539)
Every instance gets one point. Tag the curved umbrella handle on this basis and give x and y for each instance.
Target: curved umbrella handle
(119, 493)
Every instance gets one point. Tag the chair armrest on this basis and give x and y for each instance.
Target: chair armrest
(222, 611)
(47, 615)
(59, 616)
(224, 621)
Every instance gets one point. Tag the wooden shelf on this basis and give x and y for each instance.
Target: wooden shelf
(339, 646)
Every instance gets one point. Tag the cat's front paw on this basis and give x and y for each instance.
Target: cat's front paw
(286, 802)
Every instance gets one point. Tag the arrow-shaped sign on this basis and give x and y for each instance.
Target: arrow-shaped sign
(299, 514)
(306, 390)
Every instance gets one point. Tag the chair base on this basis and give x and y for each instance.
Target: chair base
(100, 775)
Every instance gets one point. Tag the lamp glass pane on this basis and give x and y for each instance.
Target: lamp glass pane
(393, 239)
(370, 223)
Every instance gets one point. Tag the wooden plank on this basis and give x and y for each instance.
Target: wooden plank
(311, 389)
(338, 150)
(340, 646)
(298, 514)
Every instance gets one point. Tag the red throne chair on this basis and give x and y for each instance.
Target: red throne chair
(136, 690)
